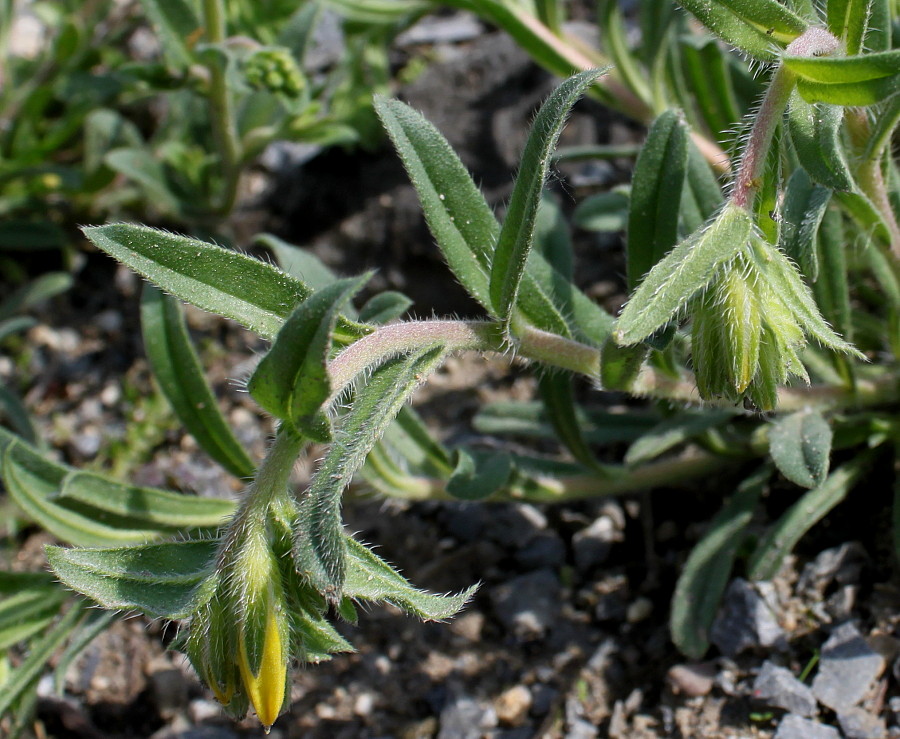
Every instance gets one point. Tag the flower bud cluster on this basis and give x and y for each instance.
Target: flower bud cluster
(749, 326)
(275, 70)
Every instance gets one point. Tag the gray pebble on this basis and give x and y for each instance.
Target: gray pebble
(777, 687)
(528, 604)
(465, 718)
(546, 549)
(797, 727)
(746, 620)
(857, 723)
(592, 545)
(847, 668)
(581, 729)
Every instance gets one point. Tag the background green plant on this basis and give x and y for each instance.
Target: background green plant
(728, 287)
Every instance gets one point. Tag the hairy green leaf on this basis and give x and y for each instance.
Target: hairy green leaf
(320, 550)
(832, 290)
(802, 516)
(852, 80)
(385, 307)
(371, 578)
(605, 212)
(815, 133)
(803, 208)
(517, 234)
(656, 195)
(175, 22)
(800, 446)
(478, 475)
(221, 281)
(683, 272)
(753, 26)
(847, 19)
(160, 580)
(704, 576)
(673, 431)
(291, 382)
(180, 376)
(558, 397)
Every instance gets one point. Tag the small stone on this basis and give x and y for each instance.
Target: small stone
(465, 718)
(202, 710)
(857, 723)
(545, 549)
(592, 545)
(542, 699)
(847, 668)
(777, 687)
(168, 687)
(512, 705)
(468, 625)
(639, 610)
(581, 729)
(364, 704)
(746, 620)
(528, 604)
(797, 727)
(692, 680)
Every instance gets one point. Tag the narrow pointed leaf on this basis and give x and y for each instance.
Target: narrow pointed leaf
(478, 475)
(684, 271)
(753, 26)
(832, 289)
(458, 215)
(253, 293)
(14, 412)
(803, 208)
(802, 516)
(299, 263)
(517, 234)
(656, 195)
(180, 376)
(705, 575)
(159, 580)
(384, 307)
(558, 397)
(291, 382)
(800, 446)
(785, 282)
(26, 675)
(847, 19)
(673, 431)
(852, 80)
(175, 22)
(42, 288)
(319, 547)
(371, 578)
(701, 195)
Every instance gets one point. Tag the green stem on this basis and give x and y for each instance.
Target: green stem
(269, 485)
(221, 112)
(557, 351)
(753, 160)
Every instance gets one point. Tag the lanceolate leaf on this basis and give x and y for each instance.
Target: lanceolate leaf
(853, 80)
(656, 195)
(180, 376)
(320, 547)
(705, 574)
(803, 208)
(750, 25)
(832, 290)
(802, 516)
(175, 22)
(371, 578)
(159, 580)
(786, 283)
(458, 215)
(687, 269)
(89, 510)
(221, 281)
(815, 133)
(478, 475)
(559, 401)
(517, 234)
(291, 382)
(385, 307)
(42, 288)
(800, 446)
(847, 19)
(673, 431)
(701, 195)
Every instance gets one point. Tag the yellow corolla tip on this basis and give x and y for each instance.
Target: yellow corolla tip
(266, 689)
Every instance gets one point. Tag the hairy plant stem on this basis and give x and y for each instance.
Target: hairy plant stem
(269, 485)
(220, 111)
(870, 175)
(557, 351)
(753, 160)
